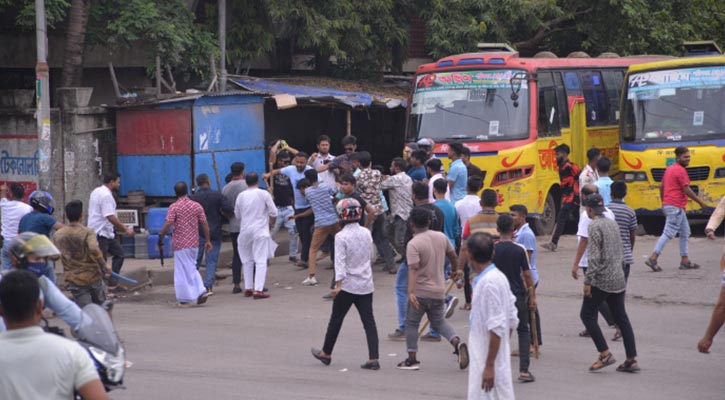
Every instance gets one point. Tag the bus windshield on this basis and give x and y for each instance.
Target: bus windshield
(675, 105)
(469, 105)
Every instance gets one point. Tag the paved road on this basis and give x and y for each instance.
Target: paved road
(240, 348)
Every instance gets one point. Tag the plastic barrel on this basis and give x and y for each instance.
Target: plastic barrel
(129, 248)
(141, 245)
(155, 220)
(153, 249)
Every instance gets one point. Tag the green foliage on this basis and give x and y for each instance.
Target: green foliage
(55, 11)
(167, 27)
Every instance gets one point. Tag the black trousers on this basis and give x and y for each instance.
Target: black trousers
(340, 306)
(112, 247)
(603, 308)
(616, 304)
(522, 306)
(236, 261)
(467, 288)
(304, 228)
(564, 214)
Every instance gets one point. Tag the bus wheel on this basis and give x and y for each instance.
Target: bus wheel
(544, 225)
(653, 225)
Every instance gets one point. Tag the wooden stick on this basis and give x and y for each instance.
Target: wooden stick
(216, 171)
(534, 332)
(426, 321)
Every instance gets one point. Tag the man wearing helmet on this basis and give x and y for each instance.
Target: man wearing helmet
(354, 283)
(31, 251)
(40, 220)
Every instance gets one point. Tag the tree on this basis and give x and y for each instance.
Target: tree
(75, 43)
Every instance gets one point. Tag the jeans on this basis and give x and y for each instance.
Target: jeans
(676, 222)
(112, 247)
(283, 214)
(236, 261)
(435, 309)
(522, 306)
(212, 259)
(401, 297)
(616, 304)
(7, 262)
(380, 238)
(564, 213)
(304, 229)
(340, 306)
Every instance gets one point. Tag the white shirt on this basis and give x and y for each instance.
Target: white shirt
(39, 365)
(493, 310)
(582, 232)
(431, 190)
(253, 208)
(12, 211)
(353, 250)
(324, 176)
(468, 207)
(101, 206)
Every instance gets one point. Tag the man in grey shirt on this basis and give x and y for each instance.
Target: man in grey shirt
(230, 192)
(604, 282)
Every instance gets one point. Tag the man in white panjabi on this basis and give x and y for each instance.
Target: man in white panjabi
(493, 316)
(256, 212)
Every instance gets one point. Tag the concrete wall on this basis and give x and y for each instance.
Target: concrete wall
(83, 146)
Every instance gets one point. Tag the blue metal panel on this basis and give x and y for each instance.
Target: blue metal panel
(203, 164)
(220, 127)
(155, 175)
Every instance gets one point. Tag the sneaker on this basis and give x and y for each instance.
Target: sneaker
(409, 365)
(428, 338)
(372, 365)
(209, 291)
(310, 281)
(327, 297)
(237, 290)
(451, 307)
(462, 353)
(397, 336)
(549, 246)
(202, 298)
(293, 260)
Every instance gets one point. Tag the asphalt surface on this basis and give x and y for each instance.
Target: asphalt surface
(234, 347)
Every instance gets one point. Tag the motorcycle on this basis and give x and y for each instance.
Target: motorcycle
(97, 335)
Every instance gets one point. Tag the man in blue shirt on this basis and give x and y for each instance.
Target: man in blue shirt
(457, 173)
(41, 222)
(416, 172)
(525, 237)
(451, 222)
(604, 182)
(296, 173)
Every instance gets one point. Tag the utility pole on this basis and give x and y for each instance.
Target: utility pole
(42, 97)
(223, 44)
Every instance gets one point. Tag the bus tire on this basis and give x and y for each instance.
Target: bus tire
(544, 225)
(653, 225)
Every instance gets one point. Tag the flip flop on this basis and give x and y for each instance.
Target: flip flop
(653, 264)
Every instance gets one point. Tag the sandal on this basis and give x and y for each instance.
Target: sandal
(653, 264)
(529, 377)
(629, 366)
(689, 265)
(603, 361)
(584, 333)
(465, 307)
(617, 335)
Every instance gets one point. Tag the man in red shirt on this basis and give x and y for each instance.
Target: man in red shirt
(674, 192)
(569, 177)
(186, 216)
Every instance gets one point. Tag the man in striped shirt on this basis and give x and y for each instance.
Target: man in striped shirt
(627, 221)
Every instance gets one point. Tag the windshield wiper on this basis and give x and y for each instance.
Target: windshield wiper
(459, 137)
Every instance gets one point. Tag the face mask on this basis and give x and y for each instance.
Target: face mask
(38, 268)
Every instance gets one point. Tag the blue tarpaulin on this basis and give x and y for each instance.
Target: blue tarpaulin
(351, 99)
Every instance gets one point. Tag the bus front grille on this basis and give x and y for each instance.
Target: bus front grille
(695, 173)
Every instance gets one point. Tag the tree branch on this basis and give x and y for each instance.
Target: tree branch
(549, 27)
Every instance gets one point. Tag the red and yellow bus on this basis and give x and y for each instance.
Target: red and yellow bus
(679, 102)
(512, 112)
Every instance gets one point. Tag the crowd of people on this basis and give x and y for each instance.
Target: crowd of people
(428, 226)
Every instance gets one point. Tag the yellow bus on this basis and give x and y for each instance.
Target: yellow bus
(678, 102)
(512, 112)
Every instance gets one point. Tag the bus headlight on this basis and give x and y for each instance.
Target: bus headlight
(632, 176)
(720, 173)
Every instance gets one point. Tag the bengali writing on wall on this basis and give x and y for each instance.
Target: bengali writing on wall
(11, 164)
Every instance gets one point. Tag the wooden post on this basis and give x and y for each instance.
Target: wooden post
(114, 80)
(158, 76)
(349, 123)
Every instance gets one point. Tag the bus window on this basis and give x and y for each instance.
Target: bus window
(595, 98)
(561, 100)
(548, 106)
(571, 82)
(613, 84)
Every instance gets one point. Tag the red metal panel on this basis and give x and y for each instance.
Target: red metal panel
(153, 132)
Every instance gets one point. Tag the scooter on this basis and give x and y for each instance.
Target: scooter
(98, 336)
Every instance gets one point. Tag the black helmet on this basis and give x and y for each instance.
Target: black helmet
(42, 201)
(28, 243)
